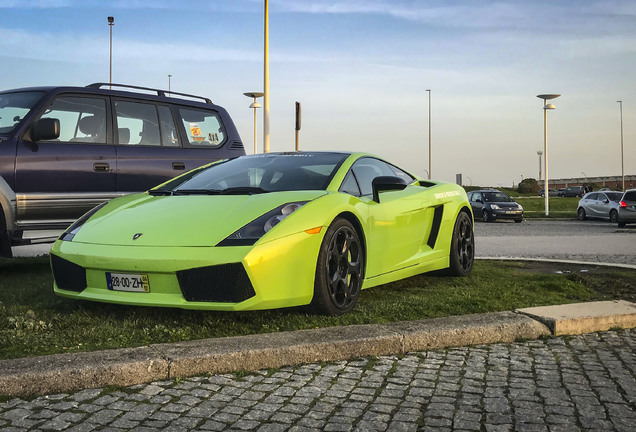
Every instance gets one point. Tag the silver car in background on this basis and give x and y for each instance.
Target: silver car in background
(601, 205)
(627, 208)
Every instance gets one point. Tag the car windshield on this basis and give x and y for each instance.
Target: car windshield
(496, 197)
(14, 107)
(614, 196)
(259, 174)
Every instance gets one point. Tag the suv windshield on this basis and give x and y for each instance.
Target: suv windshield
(259, 174)
(496, 197)
(14, 107)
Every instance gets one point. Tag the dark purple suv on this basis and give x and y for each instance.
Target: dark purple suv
(64, 150)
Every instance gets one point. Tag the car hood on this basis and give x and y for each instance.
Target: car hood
(188, 220)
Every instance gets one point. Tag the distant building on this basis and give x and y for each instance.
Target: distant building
(615, 182)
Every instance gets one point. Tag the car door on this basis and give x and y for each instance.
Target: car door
(397, 224)
(149, 147)
(477, 204)
(601, 206)
(58, 180)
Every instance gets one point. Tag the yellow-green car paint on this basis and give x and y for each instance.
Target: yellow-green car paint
(281, 265)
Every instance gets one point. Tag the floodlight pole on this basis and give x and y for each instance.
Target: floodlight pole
(111, 23)
(622, 160)
(266, 82)
(546, 107)
(429, 133)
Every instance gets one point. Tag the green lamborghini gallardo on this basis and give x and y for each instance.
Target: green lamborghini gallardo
(267, 231)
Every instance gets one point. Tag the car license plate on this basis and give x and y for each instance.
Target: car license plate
(128, 282)
(511, 212)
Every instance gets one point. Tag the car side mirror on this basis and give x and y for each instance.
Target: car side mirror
(46, 129)
(386, 183)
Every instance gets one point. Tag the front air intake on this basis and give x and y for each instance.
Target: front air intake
(227, 283)
(68, 276)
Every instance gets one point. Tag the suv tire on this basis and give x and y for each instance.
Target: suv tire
(5, 242)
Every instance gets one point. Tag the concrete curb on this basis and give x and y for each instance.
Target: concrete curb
(558, 261)
(129, 366)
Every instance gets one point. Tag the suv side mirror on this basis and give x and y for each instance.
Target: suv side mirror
(386, 183)
(46, 129)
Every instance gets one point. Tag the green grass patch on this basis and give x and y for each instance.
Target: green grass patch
(33, 321)
(560, 207)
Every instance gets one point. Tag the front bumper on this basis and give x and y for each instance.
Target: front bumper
(504, 213)
(271, 275)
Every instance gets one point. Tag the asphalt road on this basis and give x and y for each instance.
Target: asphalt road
(590, 241)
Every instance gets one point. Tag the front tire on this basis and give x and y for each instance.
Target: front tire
(486, 216)
(462, 253)
(613, 216)
(339, 271)
(581, 214)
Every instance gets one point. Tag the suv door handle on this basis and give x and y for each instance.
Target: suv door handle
(180, 166)
(101, 167)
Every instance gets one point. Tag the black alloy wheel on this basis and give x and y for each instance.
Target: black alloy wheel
(613, 216)
(486, 216)
(462, 253)
(581, 214)
(339, 271)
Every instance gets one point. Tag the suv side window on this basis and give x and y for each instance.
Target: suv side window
(82, 119)
(203, 128)
(145, 124)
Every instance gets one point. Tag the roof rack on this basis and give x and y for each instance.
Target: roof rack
(159, 92)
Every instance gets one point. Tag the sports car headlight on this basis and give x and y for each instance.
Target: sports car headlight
(494, 206)
(74, 228)
(250, 233)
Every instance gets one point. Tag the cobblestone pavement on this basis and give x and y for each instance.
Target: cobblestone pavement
(562, 384)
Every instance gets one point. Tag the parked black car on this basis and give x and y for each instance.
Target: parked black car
(491, 204)
(574, 191)
(63, 150)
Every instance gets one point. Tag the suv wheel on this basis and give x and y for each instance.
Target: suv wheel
(5, 242)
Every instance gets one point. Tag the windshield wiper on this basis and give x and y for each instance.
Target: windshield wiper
(159, 192)
(243, 190)
(196, 192)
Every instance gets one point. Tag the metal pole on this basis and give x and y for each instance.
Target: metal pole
(540, 153)
(429, 133)
(111, 22)
(255, 148)
(169, 83)
(266, 83)
(622, 160)
(545, 160)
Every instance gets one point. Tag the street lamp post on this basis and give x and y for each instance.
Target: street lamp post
(266, 82)
(429, 133)
(111, 23)
(169, 83)
(255, 105)
(540, 153)
(622, 160)
(546, 107)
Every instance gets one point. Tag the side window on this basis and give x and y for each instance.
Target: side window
(82, 119)
(593, 196)
(408, 179)
(476, 196)
(169, 135)
(366, 169)
(137, 123)
(349, 185)
(203, 128)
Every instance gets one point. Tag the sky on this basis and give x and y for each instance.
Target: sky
(361, 68)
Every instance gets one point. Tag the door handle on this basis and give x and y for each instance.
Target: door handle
(180, 166)
(101, 167)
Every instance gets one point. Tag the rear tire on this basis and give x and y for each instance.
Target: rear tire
(462, 253)
(581, 214)
(339, 270)
(613, 216)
